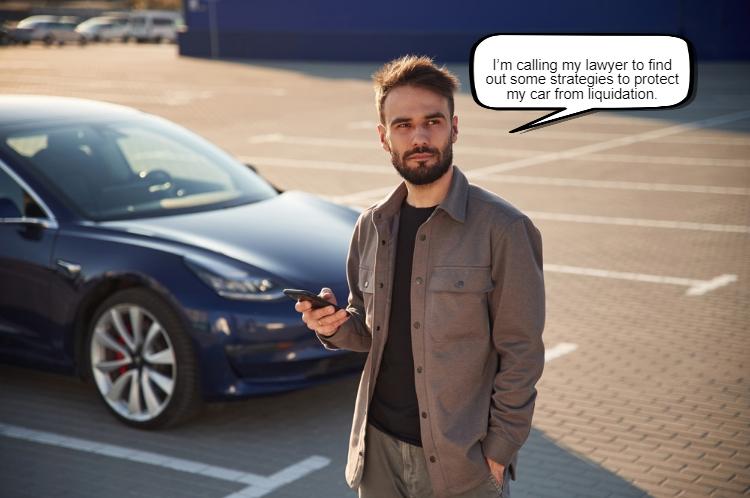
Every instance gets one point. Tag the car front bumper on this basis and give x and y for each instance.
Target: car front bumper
(252, 348)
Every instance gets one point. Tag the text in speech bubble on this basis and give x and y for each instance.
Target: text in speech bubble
(574, 74)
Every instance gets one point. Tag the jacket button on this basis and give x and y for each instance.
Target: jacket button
(433, 459)
(424, 414)
(382, 242)
(419, 370)
(416, 325)
(381, 285)
(377, 328)
(419, 280)
(422, 237)
(367, 283)
(460, 284)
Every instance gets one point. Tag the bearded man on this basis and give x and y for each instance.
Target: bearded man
(447, 297)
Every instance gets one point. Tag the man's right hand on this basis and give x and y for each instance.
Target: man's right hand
(324, 321)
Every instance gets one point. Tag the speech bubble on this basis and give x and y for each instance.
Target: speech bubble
(576, 74)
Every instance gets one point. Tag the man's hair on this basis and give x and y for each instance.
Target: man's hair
(413, 70)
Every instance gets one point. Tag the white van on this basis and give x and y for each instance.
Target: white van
(154, 25)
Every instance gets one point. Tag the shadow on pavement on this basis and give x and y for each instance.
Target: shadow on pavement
(267, 433)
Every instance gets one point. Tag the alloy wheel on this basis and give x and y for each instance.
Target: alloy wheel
(133, 362)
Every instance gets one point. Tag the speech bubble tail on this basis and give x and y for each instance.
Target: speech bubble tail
(553, 117)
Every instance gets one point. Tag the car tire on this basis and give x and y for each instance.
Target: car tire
(142, 361)
(49, 40)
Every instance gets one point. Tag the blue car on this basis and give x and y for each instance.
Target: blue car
(136, 254)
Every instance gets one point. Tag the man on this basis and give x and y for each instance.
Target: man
(447, 296)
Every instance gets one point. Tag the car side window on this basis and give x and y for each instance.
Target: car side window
(12, 194)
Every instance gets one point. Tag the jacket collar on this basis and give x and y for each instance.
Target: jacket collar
(454, 203)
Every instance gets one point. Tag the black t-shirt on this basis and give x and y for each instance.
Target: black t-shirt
(394, 408)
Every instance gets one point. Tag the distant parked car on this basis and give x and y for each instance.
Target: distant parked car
(155, 25)
(104, 28)
(140, 256)
(47, 29)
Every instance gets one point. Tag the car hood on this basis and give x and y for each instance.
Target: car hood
(296, 236)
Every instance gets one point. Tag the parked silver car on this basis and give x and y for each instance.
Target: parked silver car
(48, 29)
(105, 28)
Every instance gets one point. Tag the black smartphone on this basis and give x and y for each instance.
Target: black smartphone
(306, 295)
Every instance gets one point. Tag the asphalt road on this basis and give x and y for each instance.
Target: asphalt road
(646, 224)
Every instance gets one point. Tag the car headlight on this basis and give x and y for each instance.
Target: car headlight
(233, 283)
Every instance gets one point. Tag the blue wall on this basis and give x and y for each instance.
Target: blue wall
(378, 31)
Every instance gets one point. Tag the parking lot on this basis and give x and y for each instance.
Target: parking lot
(646, 224)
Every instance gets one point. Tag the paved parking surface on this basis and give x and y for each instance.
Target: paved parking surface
(646, 225)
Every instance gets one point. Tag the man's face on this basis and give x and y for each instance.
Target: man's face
(419, 133)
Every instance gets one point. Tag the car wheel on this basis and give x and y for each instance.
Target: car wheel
(49, 40)
(142, 360)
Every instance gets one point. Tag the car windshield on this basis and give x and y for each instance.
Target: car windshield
(132, 169)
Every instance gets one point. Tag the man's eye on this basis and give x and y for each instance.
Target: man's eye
(403, 125)
(433, 122)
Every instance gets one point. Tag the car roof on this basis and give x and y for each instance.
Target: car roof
(21, 109)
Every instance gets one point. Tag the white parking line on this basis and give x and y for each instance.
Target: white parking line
(695, 287)
(619, 185)
(589, 135)
(559, 350)
(257, 485)
(670, 160)
(637, 222)
(381, 169)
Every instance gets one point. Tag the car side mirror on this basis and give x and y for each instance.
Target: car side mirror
(8, 209)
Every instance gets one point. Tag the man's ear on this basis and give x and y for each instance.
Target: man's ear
(383, 138)
(454, 129)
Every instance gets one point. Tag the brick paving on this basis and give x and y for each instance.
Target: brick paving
(654, 401)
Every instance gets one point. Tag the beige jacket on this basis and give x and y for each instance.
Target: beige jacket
(477, 311)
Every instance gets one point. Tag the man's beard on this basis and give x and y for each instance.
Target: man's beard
(423, 174)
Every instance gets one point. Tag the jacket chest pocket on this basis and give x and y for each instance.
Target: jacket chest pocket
(366, 285)
(457, 303)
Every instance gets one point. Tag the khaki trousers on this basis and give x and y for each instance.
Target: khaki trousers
(395, 469)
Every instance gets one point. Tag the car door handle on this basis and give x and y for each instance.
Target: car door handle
(69, 269)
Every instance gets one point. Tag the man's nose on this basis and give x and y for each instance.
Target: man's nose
(420, 137)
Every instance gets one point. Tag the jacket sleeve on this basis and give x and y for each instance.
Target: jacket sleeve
(517, 308)
(353, 334)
